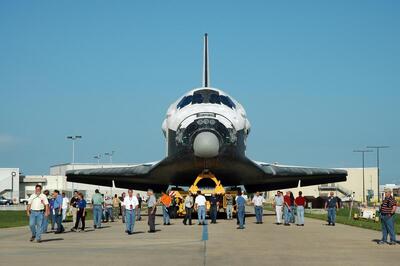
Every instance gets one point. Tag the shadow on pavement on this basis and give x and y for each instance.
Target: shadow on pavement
(52, 239)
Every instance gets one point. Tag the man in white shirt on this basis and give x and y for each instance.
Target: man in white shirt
(258, 201)
(278, 204)
(38, 208)
(131, 204)
(64, 207)
(200, 207)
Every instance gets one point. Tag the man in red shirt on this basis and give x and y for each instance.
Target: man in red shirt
(300, 203)
(286, 208)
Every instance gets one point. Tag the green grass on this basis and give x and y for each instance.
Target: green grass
(342, 217)
(19, 218)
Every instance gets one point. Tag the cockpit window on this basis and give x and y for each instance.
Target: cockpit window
(206, 96)
(185, 101)
(227, 101)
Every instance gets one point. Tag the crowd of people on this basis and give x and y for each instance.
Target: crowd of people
(44, 208)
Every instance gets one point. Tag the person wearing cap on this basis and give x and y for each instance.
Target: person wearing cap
(151, 211)
(278, 205)
(331, 205)
(200, 207)
(165, 200)
(98, 202)
(258, 201)
(387, 211)
(131, 204)
(240, 206)
(37, 210)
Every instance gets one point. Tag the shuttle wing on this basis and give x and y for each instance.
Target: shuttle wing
(284, 176)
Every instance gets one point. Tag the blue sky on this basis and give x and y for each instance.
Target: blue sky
(318, 79)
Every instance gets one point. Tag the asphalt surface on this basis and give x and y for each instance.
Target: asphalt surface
(176, 244)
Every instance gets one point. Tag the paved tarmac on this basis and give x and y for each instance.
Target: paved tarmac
(258, 244)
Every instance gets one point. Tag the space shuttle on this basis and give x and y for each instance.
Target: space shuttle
(206, 130)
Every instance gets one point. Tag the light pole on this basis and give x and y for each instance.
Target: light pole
(377, 164)
(73, 138)
(13, 174)
(363, 167)
(110, 155)
(97, 157)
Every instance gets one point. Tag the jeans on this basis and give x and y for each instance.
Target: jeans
(201, 214)
(292, 211)
(130, 220)
(229, 212)
(331, 215)
(286, 214)
(278, 211)
(213, 213)
(45, 224)
(97, 213)
(259, 213)
(387, 223)
(300, 214)
(58, 217)
(240, 215)
(35, 223)
(165, 215)
(188, 215)
(109, 214)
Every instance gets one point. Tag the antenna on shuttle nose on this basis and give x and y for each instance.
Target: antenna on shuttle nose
(206, 69)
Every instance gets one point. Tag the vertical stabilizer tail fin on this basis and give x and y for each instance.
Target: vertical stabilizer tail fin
(206, 68)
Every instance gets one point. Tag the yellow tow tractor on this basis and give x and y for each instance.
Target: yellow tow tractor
(218, 190)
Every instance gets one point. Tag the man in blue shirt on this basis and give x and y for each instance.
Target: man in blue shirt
(331, 205)
(58, 199)
(240, 207)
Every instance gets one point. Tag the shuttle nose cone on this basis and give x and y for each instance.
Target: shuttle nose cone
(206, 145)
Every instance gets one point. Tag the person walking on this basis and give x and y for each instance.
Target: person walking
(81, 213)
(37, 210)
(52, 212)
(300, 203)
(98, 202)
(229, 206)
(200, 207)
(331, 205)
(131, 204)
(286, 208)
(213, 208)
(387, 212)
(108, 204)
(64, 207)
(73, 202)
(240, 206)
(278, 205)
(116, 203)
(151, 211)
(188, 209)
(45, 223)
(166, 203)
(139, 216)
(258, 201)
(58, 201)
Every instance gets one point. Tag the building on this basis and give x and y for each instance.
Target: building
(353, 187)
(9, 183)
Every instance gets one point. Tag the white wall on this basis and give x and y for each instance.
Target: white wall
(6, 183)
